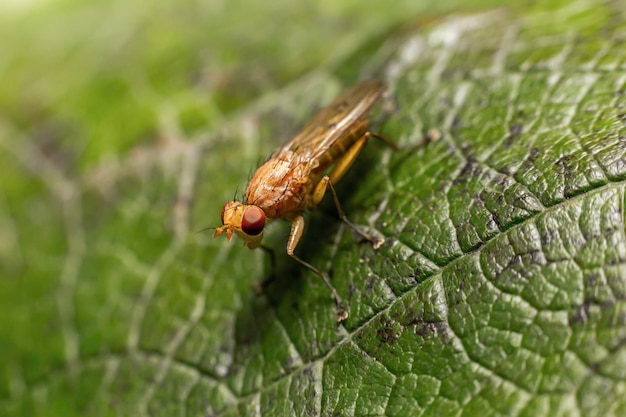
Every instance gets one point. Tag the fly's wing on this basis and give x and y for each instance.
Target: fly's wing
(331, 122)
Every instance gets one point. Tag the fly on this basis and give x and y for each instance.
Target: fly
(296, 177)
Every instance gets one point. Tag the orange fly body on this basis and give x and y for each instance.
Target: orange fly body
(296, 177)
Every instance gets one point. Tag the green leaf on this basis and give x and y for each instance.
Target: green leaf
(500, 289)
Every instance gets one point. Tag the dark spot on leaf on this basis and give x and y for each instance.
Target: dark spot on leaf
(592, 279)
(516, 260)
(288, 363)
(412, 320)
(456, 124)
(477, 201)
(548, 236)
(580, 316)
(507, 170)
(515, 130)
(501, 180)
(496, 219)
(421, 273)
(595, 366)
(369, 256)
(533, 155)
(47, 137)
(593, 235)
(470, 170)
(426, 329)
(567, 163)
(478, 244)
(521, 268)
(442, 188)
(351, 290)
(467, 150)
(387, 334)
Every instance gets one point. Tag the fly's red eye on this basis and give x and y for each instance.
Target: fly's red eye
(253, 221)
(223, 210)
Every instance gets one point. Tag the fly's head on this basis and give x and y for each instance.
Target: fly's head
(246, 220)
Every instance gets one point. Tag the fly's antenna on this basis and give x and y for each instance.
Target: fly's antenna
(206, 228)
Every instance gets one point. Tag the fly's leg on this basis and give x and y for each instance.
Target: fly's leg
(342, 165)
(345, 162)
(432, 136)
(325, 184)
(385, 140)
(297, 227)
(259, 286)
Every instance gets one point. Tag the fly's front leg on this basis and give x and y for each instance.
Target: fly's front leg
(338, 171)
(297, 227)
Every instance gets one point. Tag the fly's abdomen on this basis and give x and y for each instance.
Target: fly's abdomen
(341, 146)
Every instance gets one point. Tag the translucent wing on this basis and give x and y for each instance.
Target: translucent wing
(333, 121)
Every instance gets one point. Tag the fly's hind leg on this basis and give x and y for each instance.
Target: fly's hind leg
(297, 227)
(335, 175)
(325, 184)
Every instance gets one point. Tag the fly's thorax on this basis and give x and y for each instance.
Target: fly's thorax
(277, 185)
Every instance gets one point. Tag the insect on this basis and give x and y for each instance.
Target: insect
(296, 177)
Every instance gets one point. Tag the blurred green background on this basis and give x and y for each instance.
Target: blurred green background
(98, 74)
